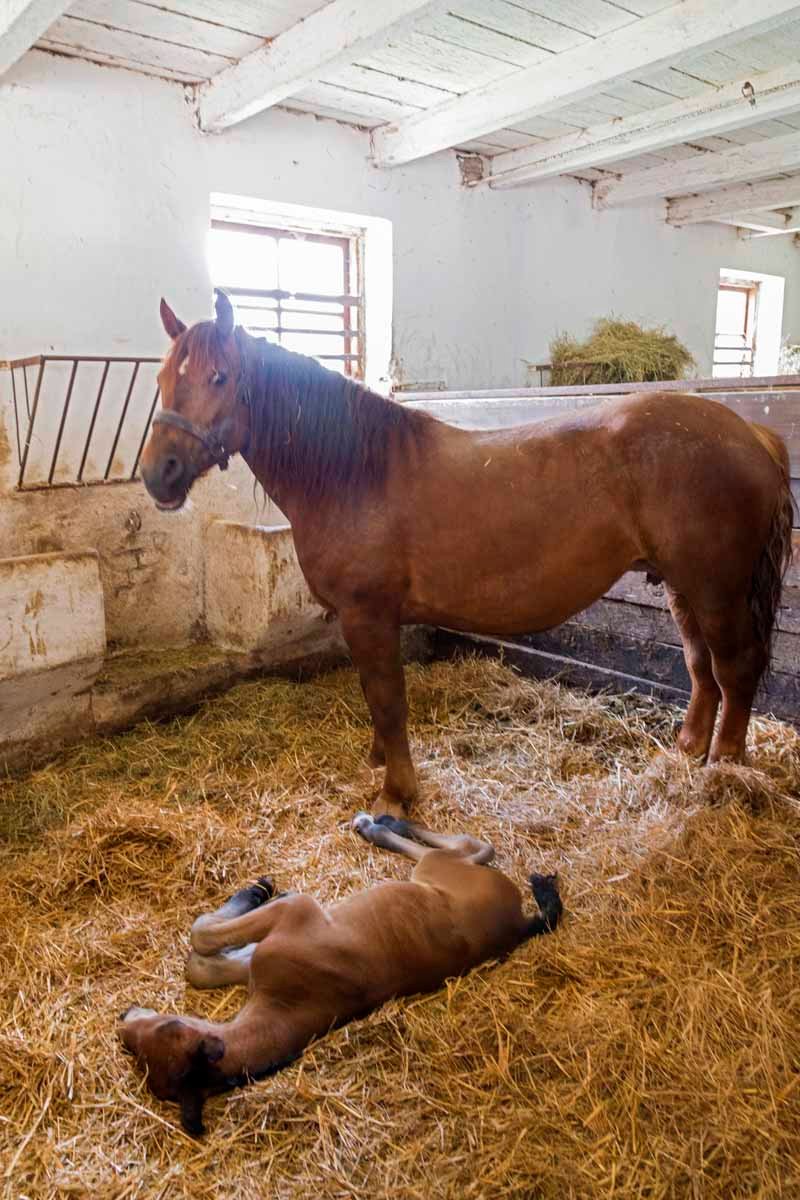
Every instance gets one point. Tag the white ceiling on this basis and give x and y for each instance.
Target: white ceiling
(450, 51)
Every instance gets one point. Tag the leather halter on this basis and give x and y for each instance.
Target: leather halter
(210, 439)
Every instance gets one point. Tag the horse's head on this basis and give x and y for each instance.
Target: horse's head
(204, 417)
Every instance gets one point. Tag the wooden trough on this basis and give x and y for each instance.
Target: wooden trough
(628, 640)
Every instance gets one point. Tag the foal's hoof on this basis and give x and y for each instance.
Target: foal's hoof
(362, 823)
(254, 896)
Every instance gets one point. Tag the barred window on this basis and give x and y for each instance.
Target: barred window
(298, 288)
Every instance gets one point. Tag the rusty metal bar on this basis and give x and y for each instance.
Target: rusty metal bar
(68, 484)
(16, 413)
(33, 361)
(62, 423)
(95, 410)
(31, 423)
(37, 359)
(303, 297)
(25, 381)
(122, 415)
(120, 358)
(343, 332)
(148, 422)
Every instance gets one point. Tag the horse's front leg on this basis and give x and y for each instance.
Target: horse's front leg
(375, 647)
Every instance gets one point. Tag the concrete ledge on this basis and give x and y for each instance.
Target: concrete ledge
(256, 596)
(52, 644)
(153, 684)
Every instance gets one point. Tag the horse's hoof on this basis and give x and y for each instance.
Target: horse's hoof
(387, 806)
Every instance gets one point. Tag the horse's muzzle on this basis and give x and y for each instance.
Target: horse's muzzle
(168, 481)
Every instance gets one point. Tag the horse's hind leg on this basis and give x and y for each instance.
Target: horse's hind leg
(739, 660)
(697, 729)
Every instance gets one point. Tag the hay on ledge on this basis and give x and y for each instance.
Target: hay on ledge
(650, 1049)
(618, 352)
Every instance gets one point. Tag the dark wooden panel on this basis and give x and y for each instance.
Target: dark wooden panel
(605, 662)
(652, 623)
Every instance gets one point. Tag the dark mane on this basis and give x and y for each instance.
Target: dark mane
(310, 426)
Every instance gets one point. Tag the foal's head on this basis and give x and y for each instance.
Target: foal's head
(204, 418)
(180, 1059)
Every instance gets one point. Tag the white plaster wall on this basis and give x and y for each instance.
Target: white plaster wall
(104, 206)
(578, 264)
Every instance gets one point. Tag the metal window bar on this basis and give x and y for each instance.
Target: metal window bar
(25, 419)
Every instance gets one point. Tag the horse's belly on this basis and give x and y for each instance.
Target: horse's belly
(525, 600)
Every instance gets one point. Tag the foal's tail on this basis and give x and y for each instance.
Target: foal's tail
(776, 554)
(545, 893)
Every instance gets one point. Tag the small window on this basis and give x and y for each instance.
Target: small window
(298, 288)
(735, 338)
(747, 337)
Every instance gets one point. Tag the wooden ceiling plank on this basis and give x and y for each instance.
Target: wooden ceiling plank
(650, 43)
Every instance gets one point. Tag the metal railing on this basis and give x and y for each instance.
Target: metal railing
(77, 399)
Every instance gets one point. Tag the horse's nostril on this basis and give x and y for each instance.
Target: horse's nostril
(172, 470)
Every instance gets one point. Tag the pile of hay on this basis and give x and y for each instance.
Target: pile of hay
(651, 1048)
(618, 352)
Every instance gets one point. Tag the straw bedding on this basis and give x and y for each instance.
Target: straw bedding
(651, 1048)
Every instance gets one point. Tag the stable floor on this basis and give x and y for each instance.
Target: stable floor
(650, 1048)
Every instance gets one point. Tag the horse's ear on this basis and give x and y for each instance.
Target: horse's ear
(192, 1091)
(224, 311)
(173, 325)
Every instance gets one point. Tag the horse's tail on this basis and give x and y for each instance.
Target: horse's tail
(773, 562)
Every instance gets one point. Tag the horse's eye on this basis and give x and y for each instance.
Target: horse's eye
(219, 378)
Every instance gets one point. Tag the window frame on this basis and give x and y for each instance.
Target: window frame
(751, 289)
(351, 301)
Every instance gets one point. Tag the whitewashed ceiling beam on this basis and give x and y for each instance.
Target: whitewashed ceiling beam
(330, 38)
(703, 171)
(22, 22)
(760, 222)
(774, 94)
(649, 44)
(791, 224)
(729, 201)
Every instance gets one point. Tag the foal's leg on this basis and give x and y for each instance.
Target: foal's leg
(224, 969)
(403, 837)
(246, 918)
(739, 661)
(375, 647)
(697, 729)
(230, 964)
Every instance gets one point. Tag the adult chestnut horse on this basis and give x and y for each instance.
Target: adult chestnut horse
(401, 519)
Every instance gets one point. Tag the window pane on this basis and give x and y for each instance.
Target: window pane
(312, 320)
(316, 346)
(731, 311)
(238, 259)
(316, 267)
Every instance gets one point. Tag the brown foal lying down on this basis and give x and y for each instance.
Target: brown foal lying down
(310, 968)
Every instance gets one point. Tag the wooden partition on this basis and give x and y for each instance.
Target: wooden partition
(627, 640)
